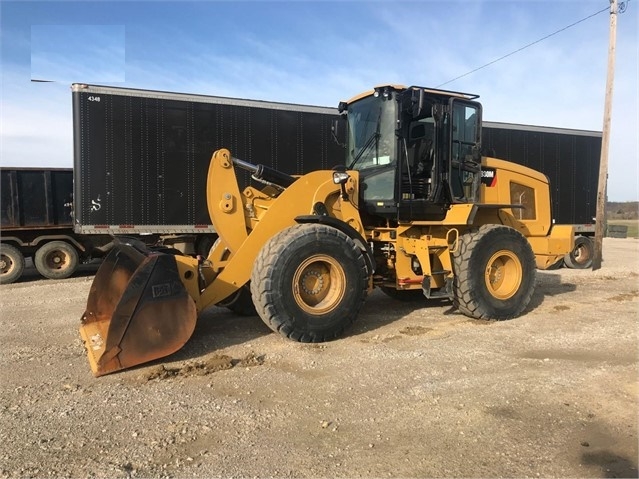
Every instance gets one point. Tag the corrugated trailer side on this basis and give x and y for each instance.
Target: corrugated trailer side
(35, 198)
(570, 159)
(141, 157)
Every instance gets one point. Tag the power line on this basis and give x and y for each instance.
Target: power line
(525, 46)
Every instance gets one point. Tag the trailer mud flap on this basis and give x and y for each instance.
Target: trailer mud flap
(138, 310)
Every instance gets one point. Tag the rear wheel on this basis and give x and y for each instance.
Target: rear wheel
(309, 282)
(581, 255)
(11, 263)
(494, 273)
(56, 260)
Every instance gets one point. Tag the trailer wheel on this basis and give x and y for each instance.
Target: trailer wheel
(406, 295)
(11, 263)
(494, 273)
(581, 255)
(309, 282)
(56, 260)
(556, 265)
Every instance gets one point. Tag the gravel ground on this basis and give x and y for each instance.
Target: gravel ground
(411, 391)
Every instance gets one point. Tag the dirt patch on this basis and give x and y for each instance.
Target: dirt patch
(202, 368)
(561, 307)
(394, 337)
(625, 296)
(415, 330)
(481, 322)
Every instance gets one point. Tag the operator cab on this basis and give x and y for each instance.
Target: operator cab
(416, 151)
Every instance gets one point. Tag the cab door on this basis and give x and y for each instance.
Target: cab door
(465, 146)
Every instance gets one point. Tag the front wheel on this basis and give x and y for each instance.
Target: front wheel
(56, 260)
(309, 282)
(494, 273)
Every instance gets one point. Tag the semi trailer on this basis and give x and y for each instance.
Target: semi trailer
(36, 222)
(141, 159)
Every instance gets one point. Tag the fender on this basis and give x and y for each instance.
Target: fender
(345, 228)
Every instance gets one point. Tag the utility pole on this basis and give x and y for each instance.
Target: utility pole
(605, 142)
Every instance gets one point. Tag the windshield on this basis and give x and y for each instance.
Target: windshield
(371, 133)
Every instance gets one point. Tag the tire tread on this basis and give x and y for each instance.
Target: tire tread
(266, 265)
(464, 298)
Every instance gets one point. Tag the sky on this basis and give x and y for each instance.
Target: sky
(318, 53)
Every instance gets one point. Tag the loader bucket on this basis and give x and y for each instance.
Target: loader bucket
(138, 310)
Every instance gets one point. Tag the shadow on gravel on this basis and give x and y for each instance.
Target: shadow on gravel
(380, 310)
(218, 328)
(548, 284)
(611, 464)
(31, 274)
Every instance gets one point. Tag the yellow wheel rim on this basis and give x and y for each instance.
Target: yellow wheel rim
(319, 284)
(503, 274)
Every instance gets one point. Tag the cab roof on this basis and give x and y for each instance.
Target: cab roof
(400, 88)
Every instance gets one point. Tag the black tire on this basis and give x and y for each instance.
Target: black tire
(404, 295)
(240, 302)
(56, 260)
(556, 265)
(495, 272)
(11, 264)
(581, 255)
(309, 282)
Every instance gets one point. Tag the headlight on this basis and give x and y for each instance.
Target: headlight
(340, 177)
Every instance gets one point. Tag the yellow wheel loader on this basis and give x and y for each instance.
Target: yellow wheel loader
(416, 211)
